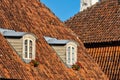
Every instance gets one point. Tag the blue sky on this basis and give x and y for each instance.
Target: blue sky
(63, 9)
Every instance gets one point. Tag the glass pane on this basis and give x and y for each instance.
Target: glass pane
(30, 55)
(26, 55)
(26, 42)
(30, 49)
(68, 54)
(26, 48)
(68, 49)
(30, 43)
(73, 54)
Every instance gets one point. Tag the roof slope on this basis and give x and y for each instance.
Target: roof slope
(99, 23)
(11, 65)
(32, 16)
(99, 29)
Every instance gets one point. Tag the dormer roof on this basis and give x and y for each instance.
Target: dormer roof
(55, 41)
(2, 30)
(13, 33)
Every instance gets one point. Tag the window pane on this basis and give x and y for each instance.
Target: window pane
(30, 55)
(30, 49)
(73, 54)
(25, 48)
(26, 55)
(30, 46)
(30, 43)
(26, 42)
(68, 54)
(68, 49)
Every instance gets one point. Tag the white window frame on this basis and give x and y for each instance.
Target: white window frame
(28, 47)
(71, 55)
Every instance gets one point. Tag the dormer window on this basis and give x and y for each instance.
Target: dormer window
(71, 55)
(22, 42)
(28, 48)
(28, 45)
(65, 49)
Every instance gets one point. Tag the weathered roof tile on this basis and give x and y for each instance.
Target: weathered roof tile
(99, 23)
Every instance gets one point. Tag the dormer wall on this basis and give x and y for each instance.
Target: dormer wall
(17, 44)
(62, 52)
(65, 49)
(22, 42)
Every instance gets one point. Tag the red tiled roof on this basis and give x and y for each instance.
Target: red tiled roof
(99, 28)
(11, 65)
(32, 16)
(99, 23)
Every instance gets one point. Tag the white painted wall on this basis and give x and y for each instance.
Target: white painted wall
(87, 3)
(94, 1)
